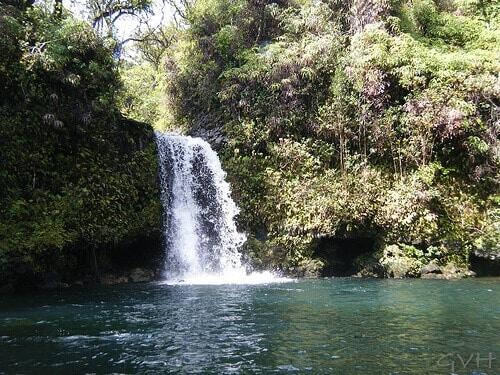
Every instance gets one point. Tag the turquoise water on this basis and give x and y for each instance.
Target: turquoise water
(331, 326)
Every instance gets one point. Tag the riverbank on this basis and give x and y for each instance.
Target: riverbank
(147, 265)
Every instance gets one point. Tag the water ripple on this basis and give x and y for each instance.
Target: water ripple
(343, 326)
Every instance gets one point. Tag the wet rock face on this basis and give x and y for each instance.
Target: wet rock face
(111, 279)
(213, 136)
(136, 275)
(140, 275)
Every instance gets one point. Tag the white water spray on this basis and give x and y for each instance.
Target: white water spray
(201, 237)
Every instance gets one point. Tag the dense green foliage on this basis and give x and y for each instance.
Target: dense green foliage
(142, 95)
(370, 119)
(74, 174)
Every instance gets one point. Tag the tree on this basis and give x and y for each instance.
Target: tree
(104, 13)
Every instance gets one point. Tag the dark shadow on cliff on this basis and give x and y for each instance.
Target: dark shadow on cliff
(339, 254)
(484, 265)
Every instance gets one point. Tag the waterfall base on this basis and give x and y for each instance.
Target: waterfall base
(253, 278)
(201, 238)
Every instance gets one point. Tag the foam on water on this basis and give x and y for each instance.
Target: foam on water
(201, 238)
(252, 278)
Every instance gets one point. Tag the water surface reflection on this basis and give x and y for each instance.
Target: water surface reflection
(344, 326)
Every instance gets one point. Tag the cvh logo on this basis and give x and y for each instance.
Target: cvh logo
(456, 362)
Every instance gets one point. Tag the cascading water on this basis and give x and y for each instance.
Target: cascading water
(201, 238)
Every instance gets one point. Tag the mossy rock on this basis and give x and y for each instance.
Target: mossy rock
(398, 264)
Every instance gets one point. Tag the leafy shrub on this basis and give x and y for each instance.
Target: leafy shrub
(386, 127)
(74, 174)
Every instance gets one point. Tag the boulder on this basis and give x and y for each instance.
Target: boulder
(439, 276)
(140, 275)
(112, 279)
(430, 268)
(448, 271)
(309, 268)
(398, 264)
(369, 267)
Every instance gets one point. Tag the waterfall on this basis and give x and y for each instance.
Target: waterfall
(201, 238)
